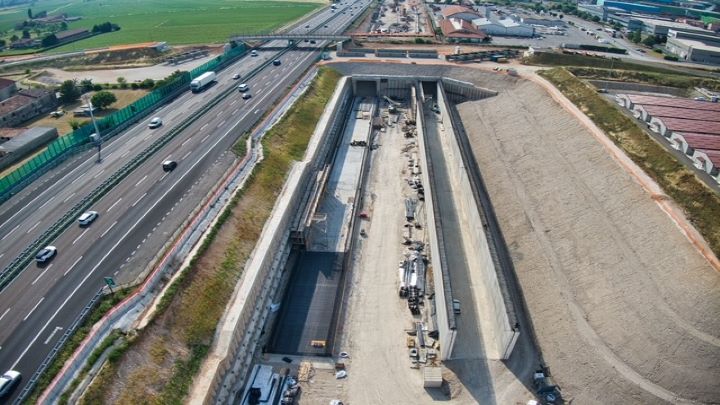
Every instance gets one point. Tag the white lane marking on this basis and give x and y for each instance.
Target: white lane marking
(236, 111)
(108, 230)
(78, 178)
(220, 124)
(141, 180)
(132, 228)
(257, 111)
(267, 83)
(57, 329)
(72, 266)
(219, 113)
(204, 139)
(31, 311)
(4, 313)
(33, 227)
(2, 254)
(80, 236)
(114, 204)
(41, 274)
(8, 234)
(46, 202)
(138, 200)
(186, 155)
(69, 197)
(185, 141)
(203, 127)
(98, 174)
(233, 102)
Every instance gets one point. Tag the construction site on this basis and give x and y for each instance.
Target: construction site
(440, 242)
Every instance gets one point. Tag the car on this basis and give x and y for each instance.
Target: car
(155, 123)
(276, 62)
(87, 218)
(236, 76)
(307, 26)
(243, 87)
(312, 41)
(46, 254)
(246, 96)
(253, 53)
(456, 306)
(325, 26)
(169, 165)
(8, 382)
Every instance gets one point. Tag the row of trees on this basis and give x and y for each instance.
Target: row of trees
(70, 91)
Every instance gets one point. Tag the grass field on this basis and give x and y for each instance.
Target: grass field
(173, 21)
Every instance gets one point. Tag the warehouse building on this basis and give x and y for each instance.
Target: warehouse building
(660, 28)
(456, 30)
(7, 88)
(690, 126)
(505, 27)
(25, 105)
(459, 13)
(694, 47)
(23, 144)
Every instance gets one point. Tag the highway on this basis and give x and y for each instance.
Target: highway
(137, 215)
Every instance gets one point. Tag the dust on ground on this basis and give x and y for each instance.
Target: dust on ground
(623, 305)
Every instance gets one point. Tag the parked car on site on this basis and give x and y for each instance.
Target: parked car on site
(155, 123)
(46, 254)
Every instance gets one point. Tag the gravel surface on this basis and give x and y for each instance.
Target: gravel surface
(624, 307)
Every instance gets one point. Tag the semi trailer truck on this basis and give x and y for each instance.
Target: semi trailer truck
(202, 81)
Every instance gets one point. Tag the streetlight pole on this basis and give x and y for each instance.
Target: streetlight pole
(98, 137)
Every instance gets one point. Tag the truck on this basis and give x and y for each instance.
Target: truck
(202, 81)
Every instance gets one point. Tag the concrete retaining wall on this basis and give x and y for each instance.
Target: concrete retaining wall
(639, 87)
(444, 316)
(236, 340)
(498, 333)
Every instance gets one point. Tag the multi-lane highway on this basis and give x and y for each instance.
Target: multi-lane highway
(141, 211)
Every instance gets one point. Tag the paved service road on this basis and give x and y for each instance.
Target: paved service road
(41, 302)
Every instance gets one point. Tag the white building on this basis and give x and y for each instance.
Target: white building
(505, 27)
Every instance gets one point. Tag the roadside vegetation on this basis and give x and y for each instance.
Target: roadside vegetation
(660, 79)
(700, 204)
(106, 303)
(565, 59)
(159, 366)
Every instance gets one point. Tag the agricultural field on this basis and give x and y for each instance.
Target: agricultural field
(176, 22)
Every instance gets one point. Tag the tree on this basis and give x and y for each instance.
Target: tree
(49, 40)
(147, 84)
(63, 25)
(635, 36)
(649, 41)
(86, 85)
(122, 82)
(69, 91)
(30, 14)
(14, 38)
(2, 43)
(75, 124)
(103, 99)
(26, 34)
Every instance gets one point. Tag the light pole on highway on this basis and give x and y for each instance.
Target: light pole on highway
(97, 138)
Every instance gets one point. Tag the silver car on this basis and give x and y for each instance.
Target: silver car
(87, 218)
(8, 382)
(155, 123)
(46, 254)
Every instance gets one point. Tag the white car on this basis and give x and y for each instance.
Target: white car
(243, 87)
(236, 76)
(87, 218)
(253, 53)
(456, 307)
(47, 253)
(8, 382)
(155, 123)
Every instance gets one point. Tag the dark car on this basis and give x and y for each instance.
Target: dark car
(169, 165)
(276, 62)
(246, 96)
(8, 382)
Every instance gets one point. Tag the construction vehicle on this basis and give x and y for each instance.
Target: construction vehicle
(547, 391)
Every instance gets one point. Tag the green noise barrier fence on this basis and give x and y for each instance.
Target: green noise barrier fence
(79, 140)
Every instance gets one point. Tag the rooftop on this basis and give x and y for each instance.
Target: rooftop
(6, 82)
(673, 102)
(695, 44)
(69, 33)
(455, 28)
(14, 103)
(671, 24)
(679, 112)
(452, 10)
(684, 125)
(699, 141)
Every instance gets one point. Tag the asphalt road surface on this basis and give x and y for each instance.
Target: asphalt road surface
(43, 301)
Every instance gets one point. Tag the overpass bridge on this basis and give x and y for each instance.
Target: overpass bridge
(289, 37)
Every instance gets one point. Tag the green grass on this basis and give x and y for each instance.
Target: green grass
(700, 204)
(173, 21)
(561, 59)
(661, 79)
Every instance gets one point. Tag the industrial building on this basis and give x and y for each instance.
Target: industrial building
(693, 47)
(504, 27)
(7, 88)
(660, 28)
(544, 22)
(456, 30)
(459, 13)
(690, 126)
(20, 145)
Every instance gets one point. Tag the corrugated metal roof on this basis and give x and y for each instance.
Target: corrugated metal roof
(685, 113)
(700, 127)
(674, 102)
(707, 142)
(714, 156)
